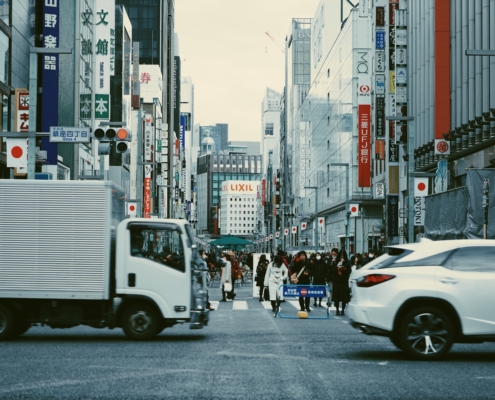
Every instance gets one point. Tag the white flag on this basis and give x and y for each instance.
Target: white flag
(286, 231)
(131, 209)
(17, 153)
(303, 225)
(354, 209)
(420, 187)
(321, 224)
(294, 229)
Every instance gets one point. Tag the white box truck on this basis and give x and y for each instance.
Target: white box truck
(68, 257)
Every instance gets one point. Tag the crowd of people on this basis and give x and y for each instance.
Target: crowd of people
(332, 269)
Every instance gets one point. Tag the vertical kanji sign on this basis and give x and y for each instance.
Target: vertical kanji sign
(49, 77)
(364, 145)
(21, 122)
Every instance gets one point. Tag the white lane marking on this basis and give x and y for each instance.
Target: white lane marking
(485, 377)
(345, 322)
(239, 305)
(261, 355)
(267, 305)
(20, 387)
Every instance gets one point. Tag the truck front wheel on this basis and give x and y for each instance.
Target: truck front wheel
(7, 323)
(141, 321)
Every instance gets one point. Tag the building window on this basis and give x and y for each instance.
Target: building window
(269, 128)
(328, 192)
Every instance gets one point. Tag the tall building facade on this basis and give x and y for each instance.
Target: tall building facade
(270, 151)
(213, 170)
(238, 214)
(336, 105)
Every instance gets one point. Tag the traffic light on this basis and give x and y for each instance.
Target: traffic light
(123, 137)
(105, 134)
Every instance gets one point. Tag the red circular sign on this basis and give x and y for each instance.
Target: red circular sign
(132, 208)
(353, 209)
(16, 152)
(304, 292)
(364, 89)
(421, 186)
(442, 147)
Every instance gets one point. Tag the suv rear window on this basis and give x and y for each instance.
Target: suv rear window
(391, 256)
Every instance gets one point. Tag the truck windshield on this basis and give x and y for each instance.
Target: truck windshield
(163, 246)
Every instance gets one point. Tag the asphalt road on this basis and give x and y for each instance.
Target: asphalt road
(242, 354)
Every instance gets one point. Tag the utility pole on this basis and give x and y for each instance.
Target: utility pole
(316, 214)
(347, 211)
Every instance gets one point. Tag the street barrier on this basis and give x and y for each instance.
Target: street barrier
(304, 291)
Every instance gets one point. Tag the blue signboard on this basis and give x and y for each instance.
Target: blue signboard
(304, 291)
(183, 131)
(49, 76)
(380, 40)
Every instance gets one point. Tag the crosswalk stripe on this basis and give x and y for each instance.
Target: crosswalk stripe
(267, 305)
(239, 305)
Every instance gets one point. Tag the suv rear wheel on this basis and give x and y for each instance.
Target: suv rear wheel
(426, 333)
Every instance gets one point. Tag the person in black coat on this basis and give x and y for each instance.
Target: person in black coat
(260, 274)
(340, 276)
(320, 272)
(304, 278)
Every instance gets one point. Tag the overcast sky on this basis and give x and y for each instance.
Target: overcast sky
(224, 49)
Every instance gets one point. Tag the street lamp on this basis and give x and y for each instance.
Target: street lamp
(347, 211)
(316, 214)
(410, 172)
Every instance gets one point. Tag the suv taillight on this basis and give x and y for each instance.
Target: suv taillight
(373, 279)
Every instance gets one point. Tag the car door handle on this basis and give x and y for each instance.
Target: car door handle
(450, 281)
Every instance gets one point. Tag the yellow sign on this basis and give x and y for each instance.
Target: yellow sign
(391, 81)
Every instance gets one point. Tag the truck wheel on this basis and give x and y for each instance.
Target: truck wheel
(426, 333)
(7, 323)
(141, 321)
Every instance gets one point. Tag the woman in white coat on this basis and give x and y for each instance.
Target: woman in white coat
(226, 272)
(275, 275)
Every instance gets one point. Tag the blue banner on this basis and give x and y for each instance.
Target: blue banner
(380, 40)
(183, 131)
(304, 291)
(49, 76)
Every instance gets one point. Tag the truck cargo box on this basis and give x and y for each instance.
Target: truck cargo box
(56, 238)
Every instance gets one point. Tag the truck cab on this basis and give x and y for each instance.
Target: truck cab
(157, 262)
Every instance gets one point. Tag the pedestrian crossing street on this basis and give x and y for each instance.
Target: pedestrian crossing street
(267, 305)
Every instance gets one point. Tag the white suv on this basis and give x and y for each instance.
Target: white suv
(426, 296)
